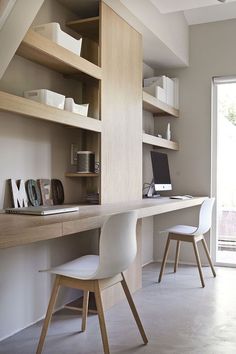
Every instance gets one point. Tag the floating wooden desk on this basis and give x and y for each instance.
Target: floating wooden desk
(19, 230)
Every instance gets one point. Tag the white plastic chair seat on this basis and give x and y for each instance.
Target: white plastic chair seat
(81, 268)
(183, 230)
(117, 250)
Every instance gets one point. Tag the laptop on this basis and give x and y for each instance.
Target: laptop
(43, 210)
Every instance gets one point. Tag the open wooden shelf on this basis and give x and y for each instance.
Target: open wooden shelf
(88, 27)
(160, 142)
(26, 107)
(77, 174)
(157, 107)
(45, 52)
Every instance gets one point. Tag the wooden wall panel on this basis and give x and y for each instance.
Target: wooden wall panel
(121, 109)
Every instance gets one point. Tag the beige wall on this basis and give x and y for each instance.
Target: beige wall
(30, 148)
(14, 29)
(212, 53)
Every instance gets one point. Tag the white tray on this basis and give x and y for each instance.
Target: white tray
(71, 106)
(157, 92)
(54, 32)
(47, 97)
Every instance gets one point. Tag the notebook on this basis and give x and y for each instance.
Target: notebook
(43, 210)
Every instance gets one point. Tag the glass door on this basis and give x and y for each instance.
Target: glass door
(224, 101)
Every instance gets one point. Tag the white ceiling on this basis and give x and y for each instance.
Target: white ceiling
(166, 6)
(199, 11)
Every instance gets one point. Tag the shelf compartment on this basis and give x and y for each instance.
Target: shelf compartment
(45, 52)
(157, 107)
(160, 142)
(78, 175)
(15, 104)
(87, 27)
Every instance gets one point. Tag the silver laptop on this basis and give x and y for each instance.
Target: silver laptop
(43, 210)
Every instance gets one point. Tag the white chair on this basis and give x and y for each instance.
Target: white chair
(117, 250)
(191, 234)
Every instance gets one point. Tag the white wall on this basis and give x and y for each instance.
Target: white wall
(14, 29)
(165, 36)
(171, 29)
(212, 53)
(30, 148)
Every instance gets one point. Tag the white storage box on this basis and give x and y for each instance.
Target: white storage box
(47, 97)
(53, 32)
(160, 94)
(71, 106)
(169, 91)
(158, 80)
(176, 92)
(156, 91)
(163, 82)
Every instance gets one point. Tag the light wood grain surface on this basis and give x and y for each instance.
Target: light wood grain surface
(157, 107)
(88, 27)
(160, 142)
(45, 52)
(24, 229)
(79, 175)
(121, 107)
(29, 108)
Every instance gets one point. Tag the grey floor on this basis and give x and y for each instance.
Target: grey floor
(179, 317)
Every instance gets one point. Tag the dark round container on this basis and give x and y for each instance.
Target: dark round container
(85, 162)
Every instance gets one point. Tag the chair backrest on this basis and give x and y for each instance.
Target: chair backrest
(205, 216)
(118, 245)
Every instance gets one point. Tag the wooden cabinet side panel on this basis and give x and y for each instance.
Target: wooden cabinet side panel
(121, 109)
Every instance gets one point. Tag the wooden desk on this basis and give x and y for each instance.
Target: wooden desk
(19, 230)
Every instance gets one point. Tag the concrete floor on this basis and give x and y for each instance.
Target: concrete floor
(179, 317)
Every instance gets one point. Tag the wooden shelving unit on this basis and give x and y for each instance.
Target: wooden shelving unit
(88, 27)
(79, 175)
(157, 107)
(84, 68)
(45, 52)
(25, 107)
(159, 142)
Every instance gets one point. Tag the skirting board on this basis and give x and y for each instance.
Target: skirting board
(183, 263)
(149, 262)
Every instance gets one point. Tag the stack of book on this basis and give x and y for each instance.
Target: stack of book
(92, 198)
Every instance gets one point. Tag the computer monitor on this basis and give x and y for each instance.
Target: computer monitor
(161, 173)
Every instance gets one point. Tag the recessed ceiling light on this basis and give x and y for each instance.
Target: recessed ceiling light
(221, 0)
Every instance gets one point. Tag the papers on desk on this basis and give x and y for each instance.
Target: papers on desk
(181, 197)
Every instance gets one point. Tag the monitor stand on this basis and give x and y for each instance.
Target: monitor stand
(151, 191)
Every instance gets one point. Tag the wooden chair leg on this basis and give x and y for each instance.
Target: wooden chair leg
(48, 314)
(198, 262)
(177, 256)
(164, 259)
(133, 309)
(101, 317)
(208, 256)
(85, 310)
